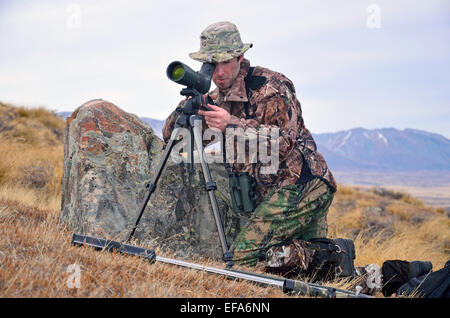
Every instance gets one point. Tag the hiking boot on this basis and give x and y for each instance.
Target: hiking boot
(318, 258)
(289, 256)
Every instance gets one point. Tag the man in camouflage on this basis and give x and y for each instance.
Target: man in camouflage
(293, 201)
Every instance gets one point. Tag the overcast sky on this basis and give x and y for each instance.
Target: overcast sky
(371, 64)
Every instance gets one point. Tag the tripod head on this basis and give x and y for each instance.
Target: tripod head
(196, 101)
(193, 104)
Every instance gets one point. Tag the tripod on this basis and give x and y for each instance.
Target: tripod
(191, 120)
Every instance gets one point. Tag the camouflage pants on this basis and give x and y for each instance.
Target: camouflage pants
(294, 211)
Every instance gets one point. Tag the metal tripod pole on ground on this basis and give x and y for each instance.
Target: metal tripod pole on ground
(287, 285)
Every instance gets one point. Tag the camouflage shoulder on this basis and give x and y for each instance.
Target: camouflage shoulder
(276, 83)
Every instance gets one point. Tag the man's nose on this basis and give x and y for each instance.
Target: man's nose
(219, 70)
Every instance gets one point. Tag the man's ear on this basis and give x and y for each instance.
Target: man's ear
(241, 58)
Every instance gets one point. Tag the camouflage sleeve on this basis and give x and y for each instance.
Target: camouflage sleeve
(171, 120)
(278, 109)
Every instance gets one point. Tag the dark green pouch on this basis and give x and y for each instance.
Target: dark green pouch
(243, 193)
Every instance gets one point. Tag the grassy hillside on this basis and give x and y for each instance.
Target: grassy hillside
(31, 152)
(35, 250)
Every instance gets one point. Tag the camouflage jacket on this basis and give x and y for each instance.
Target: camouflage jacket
(272, 105)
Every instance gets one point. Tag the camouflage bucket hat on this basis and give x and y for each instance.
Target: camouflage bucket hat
(220, 42)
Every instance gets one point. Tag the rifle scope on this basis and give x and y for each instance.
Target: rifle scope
(182, 74)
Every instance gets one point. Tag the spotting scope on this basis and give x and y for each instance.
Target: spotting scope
(182, 74)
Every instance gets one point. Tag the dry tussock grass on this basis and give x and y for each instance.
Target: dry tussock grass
(35, 250)
(414, 231)
(32, 150)
(36, 254)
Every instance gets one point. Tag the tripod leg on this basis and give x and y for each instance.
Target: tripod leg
(152, 186)
(191, 157)
(210, 187)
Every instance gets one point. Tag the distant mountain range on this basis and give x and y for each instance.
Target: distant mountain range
(156, 124)
(378, 150)
(386, 149)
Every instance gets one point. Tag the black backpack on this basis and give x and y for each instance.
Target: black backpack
(415, 278)
(432, 285)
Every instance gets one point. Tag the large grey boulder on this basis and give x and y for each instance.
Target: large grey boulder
(110, 157)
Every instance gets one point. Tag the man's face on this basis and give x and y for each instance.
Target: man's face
(226, 72)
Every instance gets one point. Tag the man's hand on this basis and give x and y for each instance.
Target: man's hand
(217, 118)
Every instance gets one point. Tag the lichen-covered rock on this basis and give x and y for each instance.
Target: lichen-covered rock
(110, 157)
